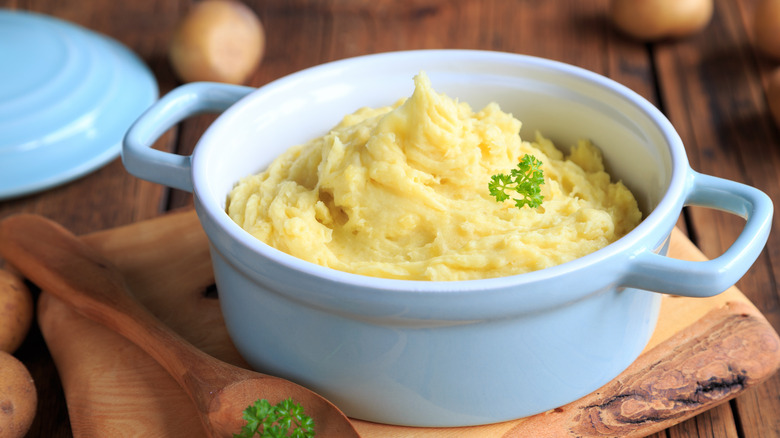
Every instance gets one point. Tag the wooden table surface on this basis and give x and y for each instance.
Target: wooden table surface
(710, 85)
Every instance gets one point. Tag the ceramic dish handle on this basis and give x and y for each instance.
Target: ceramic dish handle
(185, 101)
(658, 273)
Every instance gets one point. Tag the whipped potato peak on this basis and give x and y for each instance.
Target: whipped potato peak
(402, 192)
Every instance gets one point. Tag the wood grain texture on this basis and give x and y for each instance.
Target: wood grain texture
(712, 88)
(704, 352)
(710, 85)
(717, 422)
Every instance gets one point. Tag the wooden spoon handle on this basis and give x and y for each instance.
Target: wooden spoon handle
(61, 264)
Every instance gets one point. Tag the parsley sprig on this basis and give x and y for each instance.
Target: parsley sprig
(283, 420)
(525, 180)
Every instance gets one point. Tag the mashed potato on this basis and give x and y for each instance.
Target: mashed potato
(402, 192)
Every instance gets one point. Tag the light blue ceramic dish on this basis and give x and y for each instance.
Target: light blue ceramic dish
(447, 353)
(67, 97)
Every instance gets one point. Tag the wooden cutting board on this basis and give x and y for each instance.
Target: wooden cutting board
(703, 352)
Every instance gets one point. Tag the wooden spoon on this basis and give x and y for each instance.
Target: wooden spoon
(61, 264)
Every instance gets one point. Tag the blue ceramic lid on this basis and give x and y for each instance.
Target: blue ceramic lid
(67, 97)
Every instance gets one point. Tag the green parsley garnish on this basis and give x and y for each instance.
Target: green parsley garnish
(526, 180)
(286, 419)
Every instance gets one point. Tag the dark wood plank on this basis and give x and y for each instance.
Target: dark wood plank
(711, 87)
(106, 198)
(715, 423)
(712, 90)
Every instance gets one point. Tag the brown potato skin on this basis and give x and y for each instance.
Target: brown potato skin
(18, 397)
(651, 20)
(16, 311)
(218, 41)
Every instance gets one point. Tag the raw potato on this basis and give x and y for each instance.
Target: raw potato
(16, 311)
(18, 397)
(766, 27)
(218, 40)
(650, 20)
(773, 95)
